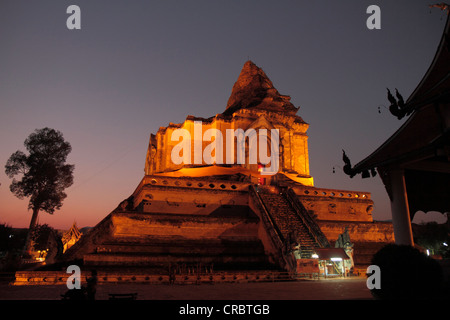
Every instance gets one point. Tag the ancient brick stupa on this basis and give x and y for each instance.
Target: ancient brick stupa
(221, 207)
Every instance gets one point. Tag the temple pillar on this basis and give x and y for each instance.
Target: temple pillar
(401, 219)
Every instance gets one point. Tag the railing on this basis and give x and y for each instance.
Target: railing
(267, 218)
(337, 269)
(306, 218)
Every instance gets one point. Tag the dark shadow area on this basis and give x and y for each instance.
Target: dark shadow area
(407, 274)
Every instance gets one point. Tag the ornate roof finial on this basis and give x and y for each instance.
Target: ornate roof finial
(443, 6)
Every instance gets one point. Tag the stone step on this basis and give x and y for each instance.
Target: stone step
(181, 247)
(128, 259)
(180, 241)
(146, 275)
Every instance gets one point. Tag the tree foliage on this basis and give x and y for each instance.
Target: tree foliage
(40, 236)
(433, 236)
(44, 173)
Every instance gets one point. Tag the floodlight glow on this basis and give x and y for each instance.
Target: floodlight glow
(336, 259)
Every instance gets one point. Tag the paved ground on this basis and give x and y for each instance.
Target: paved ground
(262, 300)
(336, 289)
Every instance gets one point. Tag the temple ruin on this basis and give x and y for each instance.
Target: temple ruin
(229, 214)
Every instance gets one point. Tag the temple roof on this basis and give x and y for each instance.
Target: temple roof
(421, 146)
(424, 129)
(436, 81)
(329, 253)
(72, 233)
(253, 88)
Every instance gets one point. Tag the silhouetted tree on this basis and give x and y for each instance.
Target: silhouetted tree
(40, 235)
(432, 236)
(44, 173)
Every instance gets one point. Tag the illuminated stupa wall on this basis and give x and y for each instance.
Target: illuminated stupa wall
(267, 110)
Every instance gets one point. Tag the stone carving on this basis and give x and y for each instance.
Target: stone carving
(344, 242)
(126, 205)
(332, 208)
(151, 156)
(293, 244)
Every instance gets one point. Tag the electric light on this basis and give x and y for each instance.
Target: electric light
(336, 259)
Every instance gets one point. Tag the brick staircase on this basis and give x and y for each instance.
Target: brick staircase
(287, 221)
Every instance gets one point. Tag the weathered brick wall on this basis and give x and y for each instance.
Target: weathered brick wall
(294, 155)
(200, 196)
(358, 231)
(142, 226)
(336, 205)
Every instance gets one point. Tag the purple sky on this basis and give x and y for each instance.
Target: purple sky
(137, 65)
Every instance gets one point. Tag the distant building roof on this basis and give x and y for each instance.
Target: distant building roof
(72, 233)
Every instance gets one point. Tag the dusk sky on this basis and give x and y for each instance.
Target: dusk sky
(135, 66)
